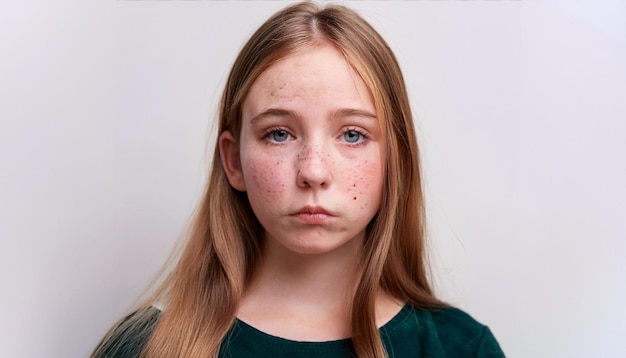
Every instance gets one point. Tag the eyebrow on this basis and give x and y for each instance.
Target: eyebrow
(272, 112)
(350, 112)
(340, 113)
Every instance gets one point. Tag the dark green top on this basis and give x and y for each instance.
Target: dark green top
(447, 332)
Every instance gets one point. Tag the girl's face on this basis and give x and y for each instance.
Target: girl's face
(309, 155)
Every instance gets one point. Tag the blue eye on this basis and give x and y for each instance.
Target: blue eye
(279, 135)
(352, 136)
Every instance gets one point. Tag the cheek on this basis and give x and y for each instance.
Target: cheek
(264, 177)
(364, 184)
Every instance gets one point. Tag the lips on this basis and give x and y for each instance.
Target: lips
(313, 210)
(313, 215)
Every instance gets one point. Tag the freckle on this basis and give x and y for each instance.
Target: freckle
(354, 185)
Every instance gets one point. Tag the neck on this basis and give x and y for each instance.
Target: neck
(324, 280)
(312, 288)
(308, 297)
(329, 277)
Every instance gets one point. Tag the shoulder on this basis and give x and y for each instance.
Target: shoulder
(451, 319)
(129, 336)
(463, 336)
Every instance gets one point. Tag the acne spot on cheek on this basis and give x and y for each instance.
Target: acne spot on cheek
(264, 180)
(354, 198)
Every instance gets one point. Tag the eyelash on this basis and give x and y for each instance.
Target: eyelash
(268, 133)
(361, 132)
(365, 136)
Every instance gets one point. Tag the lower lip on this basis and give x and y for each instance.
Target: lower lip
(313, 218)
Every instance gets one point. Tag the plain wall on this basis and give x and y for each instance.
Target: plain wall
(105, 139)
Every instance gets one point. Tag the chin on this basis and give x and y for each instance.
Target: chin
(323, 246)
(312, 249)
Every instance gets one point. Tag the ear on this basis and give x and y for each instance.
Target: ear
(231, 162)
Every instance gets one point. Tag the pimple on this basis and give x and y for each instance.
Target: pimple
(265, 179)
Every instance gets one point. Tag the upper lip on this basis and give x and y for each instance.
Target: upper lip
(313, 210)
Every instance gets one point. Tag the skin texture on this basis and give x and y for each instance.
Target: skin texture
(296, 158)
(310, 159)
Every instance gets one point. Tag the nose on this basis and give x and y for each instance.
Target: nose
(313, 170)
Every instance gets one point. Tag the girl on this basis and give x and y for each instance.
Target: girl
(309, 241)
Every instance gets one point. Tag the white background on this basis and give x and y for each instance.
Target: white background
(105, 125)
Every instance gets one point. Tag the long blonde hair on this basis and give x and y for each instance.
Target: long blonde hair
(203, 290)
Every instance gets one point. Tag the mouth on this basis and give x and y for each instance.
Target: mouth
(313, 210)
(313, 215)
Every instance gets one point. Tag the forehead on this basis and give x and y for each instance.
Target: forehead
(319, 74)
